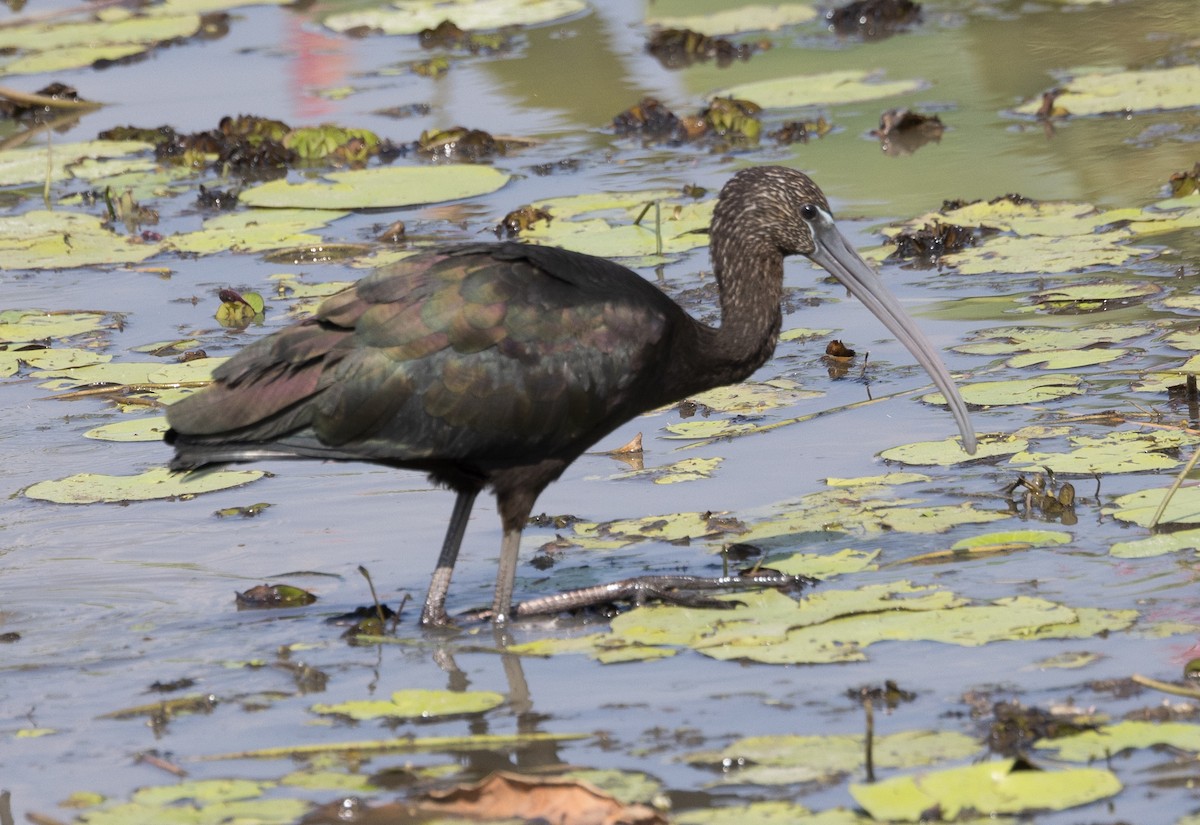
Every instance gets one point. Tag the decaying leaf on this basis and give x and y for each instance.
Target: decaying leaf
(504, 795)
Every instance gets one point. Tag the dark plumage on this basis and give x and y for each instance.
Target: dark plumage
(496, 365)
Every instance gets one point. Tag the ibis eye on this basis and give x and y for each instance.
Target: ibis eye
(808, 212)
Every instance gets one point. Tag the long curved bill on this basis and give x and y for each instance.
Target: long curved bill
(834, 254)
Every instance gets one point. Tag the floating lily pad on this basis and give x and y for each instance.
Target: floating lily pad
(35, 164)
(1110, 740)
(62, 240)
(416, 704)
(54, 47)
(140, 429)
(92, 488)
(753, 397)
(749, 18)
(411, 16)
(1036, 253)
(871, 481)
(804, 334)
(1119, 452)
(1065, 359)
(773, 760)
(1025, 538)
(29, 325)
(48, 359)
(826, 565)
(989, 788)
(949, 451)
(1007, 340)
(1140, 507)
(1093, 297)
(827, 89)
(1037, 390)
(689, 469)
(1122, 92)
(132, 372)
(1157, 545)
(379, 187)
(608, 225)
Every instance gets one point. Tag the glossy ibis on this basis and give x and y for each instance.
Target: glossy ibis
(497, 365)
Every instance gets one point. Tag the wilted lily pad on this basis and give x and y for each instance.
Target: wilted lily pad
(827, 89)
(417, 704)
(379, 187)
(754, 397)
(989, 788)
(1008, 340)
(1122, 92)
(92, 488)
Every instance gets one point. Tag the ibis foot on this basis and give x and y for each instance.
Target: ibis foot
(681, 590)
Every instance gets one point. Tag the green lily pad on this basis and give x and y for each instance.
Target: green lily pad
(93, 488)
(1110, 740)
(378, 187)
(55, 47)
(1009, 340)
(804, 334)
(63, 240)
(11, 361)
(1118, 452)
(132, 373)
(826, 89)
(1065, 359)
(35, 164)
(750, 398)
(1140, 507)
(826, 565)
(776, 813)
(988, 788)
(254, 231)
(1157, 545)
(1036, 253)
(1123, 92)
(607, 224)
(772, 760)
(949, 451)
(412, 16)
(140, 429)
(689, 469)
(751, 18)
(872, 481)
(29, 325)
(416, 704)
(1093, 297)
(1037, 390)
(1024, 538)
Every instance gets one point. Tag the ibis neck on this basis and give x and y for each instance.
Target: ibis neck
(750, 282)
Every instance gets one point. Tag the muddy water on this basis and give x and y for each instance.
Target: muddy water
(109, 599)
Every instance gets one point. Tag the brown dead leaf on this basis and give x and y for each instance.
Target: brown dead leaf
(567, 801)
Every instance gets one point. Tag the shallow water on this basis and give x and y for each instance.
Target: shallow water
(108, 599)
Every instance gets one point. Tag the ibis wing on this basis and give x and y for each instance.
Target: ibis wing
(488, 355)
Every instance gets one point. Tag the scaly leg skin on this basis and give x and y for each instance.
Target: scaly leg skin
(686, 591)
(434, 614)
(506, 576)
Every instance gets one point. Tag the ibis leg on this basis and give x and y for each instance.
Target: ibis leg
(506, 576)
(435, 601)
